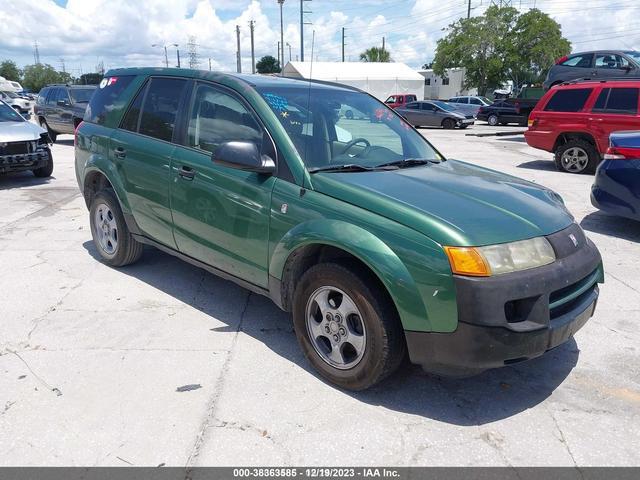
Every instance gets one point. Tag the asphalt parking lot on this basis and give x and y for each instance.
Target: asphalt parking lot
(163, 363)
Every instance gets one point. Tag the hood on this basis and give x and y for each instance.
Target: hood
(19, 131)
(453, 203)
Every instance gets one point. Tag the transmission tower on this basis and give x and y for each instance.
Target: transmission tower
(36, 53)
(193, 53)
(502, 3)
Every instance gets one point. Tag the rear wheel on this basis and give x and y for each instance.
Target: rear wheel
(577, 156)
(493, 120)
(47, 169)
(112, 238)
(448, 124)
(351, 334)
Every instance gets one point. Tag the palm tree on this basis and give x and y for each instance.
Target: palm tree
(375, 54)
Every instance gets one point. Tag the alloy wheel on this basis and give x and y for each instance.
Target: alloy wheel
(574, 159)
(106, 229)
(335, 327)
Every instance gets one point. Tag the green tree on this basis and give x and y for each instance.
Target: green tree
(10, 71)
(38, 75)
(481, 45)
(537, 43)
(375, 54)
(268, 64)
(90, 79)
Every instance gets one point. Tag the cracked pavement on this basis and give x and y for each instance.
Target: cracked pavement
(92, 359)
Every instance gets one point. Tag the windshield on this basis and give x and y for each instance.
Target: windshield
(485, 100)
(81, 95)
(445, 106)
(332, 127)
(8, 114)
(634, 55)
(10, 94)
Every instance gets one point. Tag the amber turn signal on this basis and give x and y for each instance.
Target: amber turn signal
(467, 261)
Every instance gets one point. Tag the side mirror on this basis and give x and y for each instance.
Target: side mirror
(243, 156)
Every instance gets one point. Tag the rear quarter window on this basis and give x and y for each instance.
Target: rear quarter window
(569, 100)
(108, 98)
(617, 100)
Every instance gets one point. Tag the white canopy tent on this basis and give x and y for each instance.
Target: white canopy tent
(379, 79)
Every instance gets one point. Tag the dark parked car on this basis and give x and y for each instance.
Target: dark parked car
(500, 113)
(435, 114)
(616, 188)
(597, 65)
(60, 108)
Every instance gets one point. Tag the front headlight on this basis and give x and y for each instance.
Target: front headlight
(502, 258)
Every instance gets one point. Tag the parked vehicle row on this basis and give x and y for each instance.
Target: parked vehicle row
(435, 114)
(19, 103)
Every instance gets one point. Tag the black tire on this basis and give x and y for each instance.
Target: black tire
(349, 114)
(127, 249)
(52, 135)
(493, 120)
(384, 348)
(448, 124)
(47, 169)
(592, 156)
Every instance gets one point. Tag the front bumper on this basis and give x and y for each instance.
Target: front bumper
(616, 188)
(511, 318)
(21, 162)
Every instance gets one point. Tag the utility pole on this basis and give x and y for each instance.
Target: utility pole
(239, 63)
(253, 56)
(289, 45)
(469, 9)
(302, 24)
(209, 64)
(279, 54)
(62, 65)
(343, 44)
(281, 60)
(166, 58)
(382, 43)
(177, 53)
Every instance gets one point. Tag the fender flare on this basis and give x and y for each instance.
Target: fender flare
(97, 164)
(366, 247)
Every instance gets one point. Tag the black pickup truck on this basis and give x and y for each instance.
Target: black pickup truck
(526, 100)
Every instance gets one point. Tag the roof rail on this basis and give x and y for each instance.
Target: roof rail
(601, 80)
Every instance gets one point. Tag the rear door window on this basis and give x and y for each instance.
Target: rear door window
(618, 100)
(569, 100)
(161, 107)
(475, 101)
(413, 106)
(107, 98)
(579, 61)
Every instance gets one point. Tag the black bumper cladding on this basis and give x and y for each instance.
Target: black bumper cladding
(25, 161)
(515, 317)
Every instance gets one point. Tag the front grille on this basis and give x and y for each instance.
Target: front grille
(563, 300)
(18, 148)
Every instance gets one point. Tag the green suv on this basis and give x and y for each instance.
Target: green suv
(377, 244)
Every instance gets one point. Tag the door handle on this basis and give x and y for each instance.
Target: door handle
(120, 152)
(187, 173)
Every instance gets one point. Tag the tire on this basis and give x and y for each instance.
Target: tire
(448, 124)
(376, 327)
(47, 169)
(116, 248)
(577, 156)
(493, 120)
(349, 114)
(52, 135)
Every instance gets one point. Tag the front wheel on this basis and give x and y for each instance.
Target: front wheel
(112, 238)
(350, 333)
(493, 120)
(52, 135)
(47, 169)
(448, 124)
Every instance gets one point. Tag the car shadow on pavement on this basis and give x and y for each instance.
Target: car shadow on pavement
(66, 141)
(485, 398)
(599, 222)
(21, 180)
(539, 165)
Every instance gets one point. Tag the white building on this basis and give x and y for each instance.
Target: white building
(379, 79)
(442, 88)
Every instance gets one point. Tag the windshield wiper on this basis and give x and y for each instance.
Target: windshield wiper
(350, 167)
(407, 162)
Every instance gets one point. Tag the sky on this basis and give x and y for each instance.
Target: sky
(84, 33)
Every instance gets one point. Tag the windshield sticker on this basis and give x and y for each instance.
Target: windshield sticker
(276, 102)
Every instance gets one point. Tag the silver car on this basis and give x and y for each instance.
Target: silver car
(434, 114)
(23, 145)
(17, 102)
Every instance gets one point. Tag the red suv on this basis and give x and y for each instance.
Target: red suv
(574, 120)
(395, 101)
